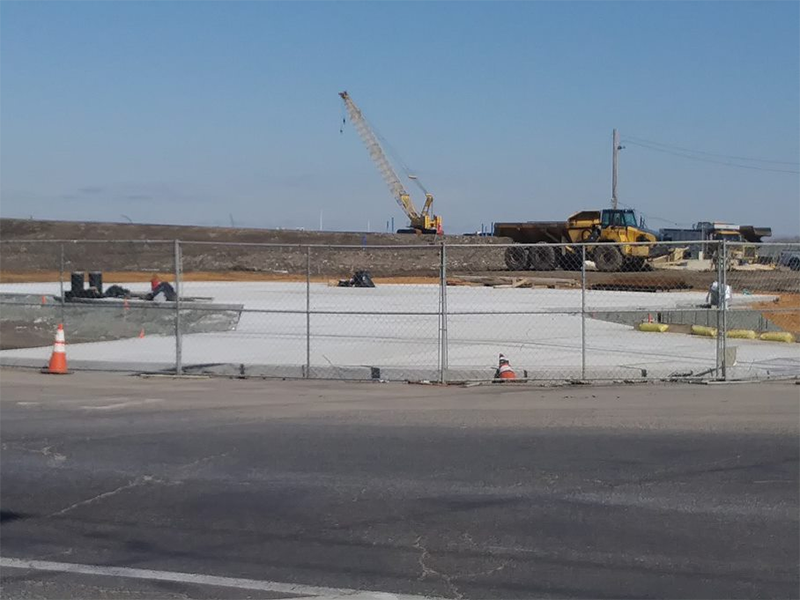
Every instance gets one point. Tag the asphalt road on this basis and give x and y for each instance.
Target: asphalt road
(483, 492)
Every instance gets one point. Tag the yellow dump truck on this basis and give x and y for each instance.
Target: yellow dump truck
(609, 233)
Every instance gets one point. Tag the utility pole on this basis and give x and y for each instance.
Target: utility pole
(615, 162)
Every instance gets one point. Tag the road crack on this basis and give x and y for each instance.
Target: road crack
(132, 484)
(428, 571)
(47, 451)
(202, 460)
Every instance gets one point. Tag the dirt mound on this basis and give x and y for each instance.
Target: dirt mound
(784, 312)
(34, 246)
(25, 229)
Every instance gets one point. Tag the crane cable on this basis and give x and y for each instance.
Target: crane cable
(391, 151)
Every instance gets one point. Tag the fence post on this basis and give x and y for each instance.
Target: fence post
(443, 314)
(307, 373)
(720, 294)
(178, 291)
(723, 301)
(61, 284)
(583, 312)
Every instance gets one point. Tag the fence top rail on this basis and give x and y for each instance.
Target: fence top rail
(327, 246)
(729, 243)
(87, 241)
(433, 245)
(440, 244)
(587, 244)
(250, 244)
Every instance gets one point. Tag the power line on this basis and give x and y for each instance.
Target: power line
(652, 217)
(709, 160)
(634, 139)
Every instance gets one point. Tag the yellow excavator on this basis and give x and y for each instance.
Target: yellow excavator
(419, 221)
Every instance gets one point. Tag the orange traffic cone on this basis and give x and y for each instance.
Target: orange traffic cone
(504, 369)
(141, 333)
(58, 360)
(649, 318)
(44, 300)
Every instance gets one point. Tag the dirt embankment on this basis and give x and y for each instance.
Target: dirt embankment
(36, 246)
(32, 251)
(784, 312)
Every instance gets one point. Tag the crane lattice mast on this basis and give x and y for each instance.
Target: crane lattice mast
(379, 157)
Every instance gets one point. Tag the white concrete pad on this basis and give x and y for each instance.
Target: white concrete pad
(398, 326)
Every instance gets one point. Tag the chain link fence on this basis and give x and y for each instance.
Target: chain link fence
(435, 312)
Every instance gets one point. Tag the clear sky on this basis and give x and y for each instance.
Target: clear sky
(193, 112)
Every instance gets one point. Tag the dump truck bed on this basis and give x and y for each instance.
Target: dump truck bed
(755, 234)
(533, 232)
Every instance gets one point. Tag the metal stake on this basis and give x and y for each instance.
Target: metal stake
(178, 338)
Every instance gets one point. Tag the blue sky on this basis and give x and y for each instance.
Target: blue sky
(190, 112)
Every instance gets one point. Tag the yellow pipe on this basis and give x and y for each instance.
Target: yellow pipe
(703, 330)
(657, 327)
(777, 336)
(744, 334)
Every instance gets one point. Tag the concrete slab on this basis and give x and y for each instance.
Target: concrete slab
(396, 328)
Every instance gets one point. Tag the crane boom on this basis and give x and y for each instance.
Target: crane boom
(423, 221)
(377, 154)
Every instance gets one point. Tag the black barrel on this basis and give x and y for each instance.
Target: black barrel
(96, 281)
(76, 283)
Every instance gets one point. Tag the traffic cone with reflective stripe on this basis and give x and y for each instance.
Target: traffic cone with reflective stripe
(504, 369)
(58, 359)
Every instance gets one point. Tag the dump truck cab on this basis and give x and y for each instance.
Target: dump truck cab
(618, 218)
(613, 226)
(622, 226)
(608, 225)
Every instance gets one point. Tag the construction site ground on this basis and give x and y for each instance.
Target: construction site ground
(773, 281)
(234, 254)
(263, 278)
(395, 328)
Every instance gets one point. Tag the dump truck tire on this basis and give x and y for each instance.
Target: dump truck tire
(516, 258)
(635, 264)
(607, 258)
(542, 258)
(571, 261)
